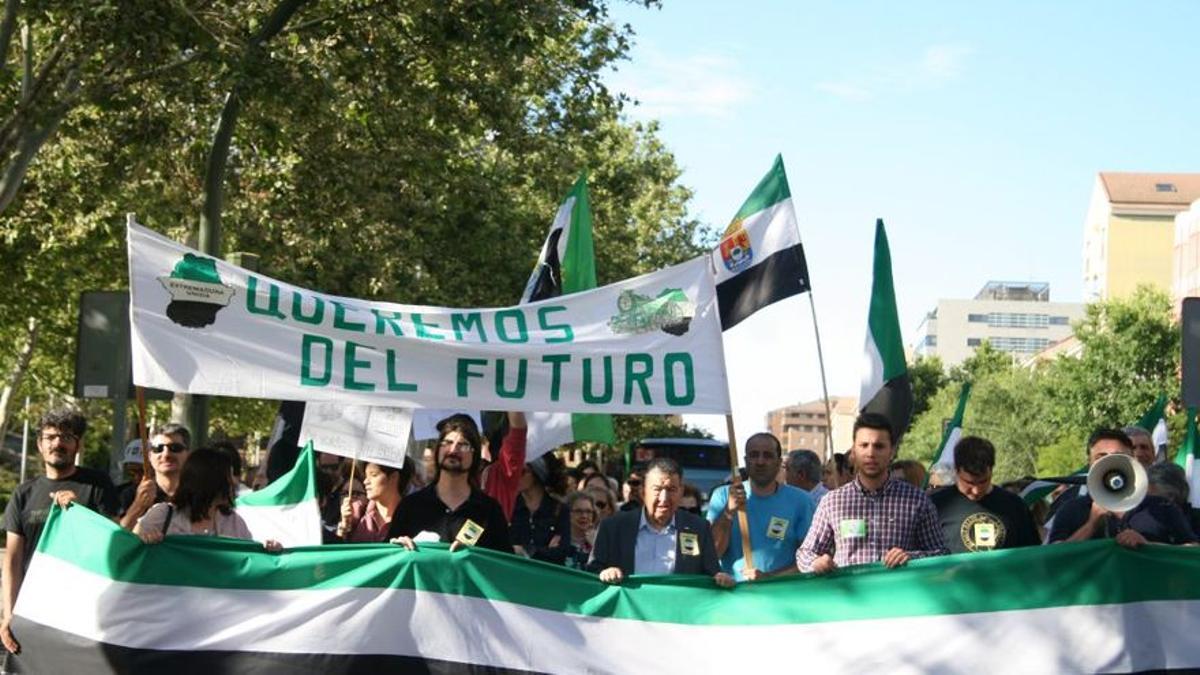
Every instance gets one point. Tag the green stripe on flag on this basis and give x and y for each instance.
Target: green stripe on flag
(1089, 573)
(579, 274)
(956, 422)
(883, 319)
(579, 259)
(1154, 414)
(771, 190)
(292, 487)
(1189, 447)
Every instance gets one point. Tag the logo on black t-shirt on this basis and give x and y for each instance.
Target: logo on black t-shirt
(982, 531)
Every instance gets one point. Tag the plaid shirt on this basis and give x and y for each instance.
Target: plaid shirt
(859, 526)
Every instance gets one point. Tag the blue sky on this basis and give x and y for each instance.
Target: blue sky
(974, 132)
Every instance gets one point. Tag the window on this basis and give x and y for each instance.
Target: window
(1017, 320)
(977, 318)
(1060, 321)
(974, 342)
(1019, 344)
(930, 340)
(1164, 187)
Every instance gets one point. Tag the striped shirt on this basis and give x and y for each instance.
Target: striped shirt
(858, 526)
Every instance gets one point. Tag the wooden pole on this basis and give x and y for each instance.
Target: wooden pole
(735, 479)
(144, 433)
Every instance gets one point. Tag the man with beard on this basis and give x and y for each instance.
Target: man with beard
(778, 515)
(451, 509)
(59, 440)
(170, 447)
(872, 518)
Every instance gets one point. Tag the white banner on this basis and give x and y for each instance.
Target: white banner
(651, 344)
(366, 433)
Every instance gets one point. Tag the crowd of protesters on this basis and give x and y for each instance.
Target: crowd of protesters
(800, 515)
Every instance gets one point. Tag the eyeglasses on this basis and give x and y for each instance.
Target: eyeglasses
(65, 438)
(173, 447)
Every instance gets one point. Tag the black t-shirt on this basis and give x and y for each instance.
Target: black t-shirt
(999, 520)
(1156, 518)
(127, 492)
(30, 504)
(424, 511)
(534, 531)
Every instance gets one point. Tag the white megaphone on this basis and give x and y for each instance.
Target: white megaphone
(1117, 483)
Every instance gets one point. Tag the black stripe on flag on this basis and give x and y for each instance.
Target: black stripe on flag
(49, 650)
(895, 402)
(782, 275)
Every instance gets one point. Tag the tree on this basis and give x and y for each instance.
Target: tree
(1130, 356)
(928, 376)
(412, 154)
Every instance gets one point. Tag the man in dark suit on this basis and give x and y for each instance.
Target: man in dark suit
(657, 538)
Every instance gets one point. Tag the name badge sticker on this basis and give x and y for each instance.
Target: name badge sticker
(469, 533)
(985, 535)
(777, 528)
(853, 528)
(689, 543)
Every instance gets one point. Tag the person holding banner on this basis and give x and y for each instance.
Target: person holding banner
(453, 509)
(59, 440)
(367, 520)
(778, 514)
(873, 518)
(201, 505)
(169, 451)
(657, 538)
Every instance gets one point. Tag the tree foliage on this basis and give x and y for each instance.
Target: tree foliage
(1039, 417)
(412, 153)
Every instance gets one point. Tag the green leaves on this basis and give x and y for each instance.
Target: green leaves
(1039, 417)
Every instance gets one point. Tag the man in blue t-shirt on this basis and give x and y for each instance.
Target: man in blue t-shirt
(778, 515)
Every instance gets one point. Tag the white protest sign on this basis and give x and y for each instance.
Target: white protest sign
(375, 435)
(424, 425)
(648, 345)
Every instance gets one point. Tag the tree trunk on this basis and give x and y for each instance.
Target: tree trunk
(188, 407)
(17, 375)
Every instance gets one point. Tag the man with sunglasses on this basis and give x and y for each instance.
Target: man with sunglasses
(169, 451)
(59, 440)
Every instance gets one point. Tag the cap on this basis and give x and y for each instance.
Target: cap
(538, 468)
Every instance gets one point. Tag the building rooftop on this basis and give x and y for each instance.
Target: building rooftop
(1153, 189)
(1028, 291)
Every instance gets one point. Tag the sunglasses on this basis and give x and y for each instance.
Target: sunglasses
(634, 483)
(173, 447)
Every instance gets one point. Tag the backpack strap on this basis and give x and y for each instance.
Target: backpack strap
(167, 520)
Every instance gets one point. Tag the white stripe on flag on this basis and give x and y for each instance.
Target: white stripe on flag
(1087, 638)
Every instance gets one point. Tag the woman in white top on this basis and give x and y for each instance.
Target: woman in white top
(202, 504)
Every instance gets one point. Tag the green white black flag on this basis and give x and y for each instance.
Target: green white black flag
(886, 388)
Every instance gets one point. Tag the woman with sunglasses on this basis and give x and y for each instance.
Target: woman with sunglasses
(604, 499)
(201, 505)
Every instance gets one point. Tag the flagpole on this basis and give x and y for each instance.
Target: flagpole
(143, 433)
(824, 386)
(735, 478)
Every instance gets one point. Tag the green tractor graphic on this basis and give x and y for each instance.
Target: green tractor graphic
(671, 312)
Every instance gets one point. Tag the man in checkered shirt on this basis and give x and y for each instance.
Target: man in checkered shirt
(871, 518)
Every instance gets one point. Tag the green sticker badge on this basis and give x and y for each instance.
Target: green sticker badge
(853, 528)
